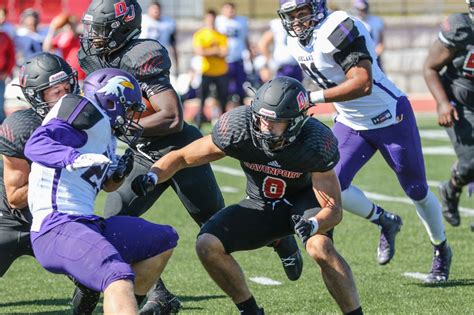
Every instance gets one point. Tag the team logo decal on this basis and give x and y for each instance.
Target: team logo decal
(121, 9)
(57, 76)
(267, 113)
(303, 101)
(117, 86)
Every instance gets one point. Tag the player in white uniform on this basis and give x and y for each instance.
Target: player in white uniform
(280, 60)
(73, 155)
(337, 52)
(235, 27)
(161, 28)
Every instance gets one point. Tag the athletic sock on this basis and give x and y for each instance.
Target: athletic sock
(248, 306)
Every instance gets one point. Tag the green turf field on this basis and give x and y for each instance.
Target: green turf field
(27, 288)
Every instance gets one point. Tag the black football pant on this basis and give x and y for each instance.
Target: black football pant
(196, 187)
(462, 138)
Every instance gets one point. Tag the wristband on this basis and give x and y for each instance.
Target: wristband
(317, 97)
(153, 177)
(315, 225)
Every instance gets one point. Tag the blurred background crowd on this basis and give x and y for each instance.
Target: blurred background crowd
(218, 48)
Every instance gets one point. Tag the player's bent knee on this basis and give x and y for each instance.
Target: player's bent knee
(115, 271)
(417, 191)
(320, 248)
(208, 245)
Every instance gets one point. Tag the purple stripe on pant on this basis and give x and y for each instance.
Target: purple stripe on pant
(97, 253)
(399, 144)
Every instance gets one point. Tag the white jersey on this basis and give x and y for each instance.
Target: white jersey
(236, 30)
(72, 192)
(281, 53)
(160, 30)
(317, 59)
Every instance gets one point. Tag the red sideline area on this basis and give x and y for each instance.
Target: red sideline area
(420, 104)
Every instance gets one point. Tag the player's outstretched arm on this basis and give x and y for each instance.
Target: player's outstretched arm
(197, 153)
(15, 178)
(328, 192)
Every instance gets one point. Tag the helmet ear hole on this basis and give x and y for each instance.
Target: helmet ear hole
(110, 105)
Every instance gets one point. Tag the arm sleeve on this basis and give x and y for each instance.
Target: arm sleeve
(455, 32)
(54, 144)
(352, 54)
(324, 144)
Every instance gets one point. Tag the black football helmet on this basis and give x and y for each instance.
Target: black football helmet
(40, 72)
(109, 24)
(280, 99)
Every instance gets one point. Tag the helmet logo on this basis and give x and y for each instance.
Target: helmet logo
(288, 6)
(88, 17)
(121, 9)
(302, 100)
(57, 76)
(267, 113)
(116, 86)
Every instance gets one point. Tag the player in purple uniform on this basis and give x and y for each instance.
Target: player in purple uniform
(44, 79)
(110, 39)
(288, 159)
(453, 90)
(73, 155)
(337, 52)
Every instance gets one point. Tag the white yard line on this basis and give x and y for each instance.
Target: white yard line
(375, 196)
(434, 134)
(415, 275)
(264, 281)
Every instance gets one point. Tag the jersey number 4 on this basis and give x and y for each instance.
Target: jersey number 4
(274, 188)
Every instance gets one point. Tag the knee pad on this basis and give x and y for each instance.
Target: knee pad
(462, 173)
(416, 191)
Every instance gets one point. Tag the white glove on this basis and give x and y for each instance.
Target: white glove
(88, 160)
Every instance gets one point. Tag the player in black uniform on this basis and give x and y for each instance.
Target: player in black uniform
(288, 159)
(111, 28)
(449, 74)
(44, 79)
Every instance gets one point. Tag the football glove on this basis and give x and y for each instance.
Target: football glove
(124, 166)
(304, 228)
(88, 160)
(143, 184)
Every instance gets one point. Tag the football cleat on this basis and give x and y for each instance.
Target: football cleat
(290, 256)
(390, 226)
(441, 264)
(449, 202)
(161, 301)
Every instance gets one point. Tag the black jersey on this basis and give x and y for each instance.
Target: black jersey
(14, 132)
(285, 172)
(146, 59)
(457, 32)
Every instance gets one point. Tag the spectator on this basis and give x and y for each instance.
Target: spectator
(7, 62)
(373, 23)
(28, 40)
(161, 28)
(212, 47)
(280, 60)
(236, 29)
(62, 37)
(5, 26)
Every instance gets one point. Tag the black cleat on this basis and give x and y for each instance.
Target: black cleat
(390, 224)
(161, 301)
(441, 264)
(290, 256)
(450, 202)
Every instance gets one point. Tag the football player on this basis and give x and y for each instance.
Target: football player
(337, 52)
(453, 91)
(73, 155)
(111, 28)
(44, 79)
(288, 159)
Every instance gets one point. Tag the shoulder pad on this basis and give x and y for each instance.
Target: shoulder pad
(79, 112)
(16, 130)
(344, 34)
(232, 127)
(318, 138)
(456, 31)
(326, 29)
(145, 58)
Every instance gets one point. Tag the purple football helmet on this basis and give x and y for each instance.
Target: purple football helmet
(119, 94)
(295, 26)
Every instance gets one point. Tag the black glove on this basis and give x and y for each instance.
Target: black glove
(143, 184)
(304, 228)
(124, 166)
